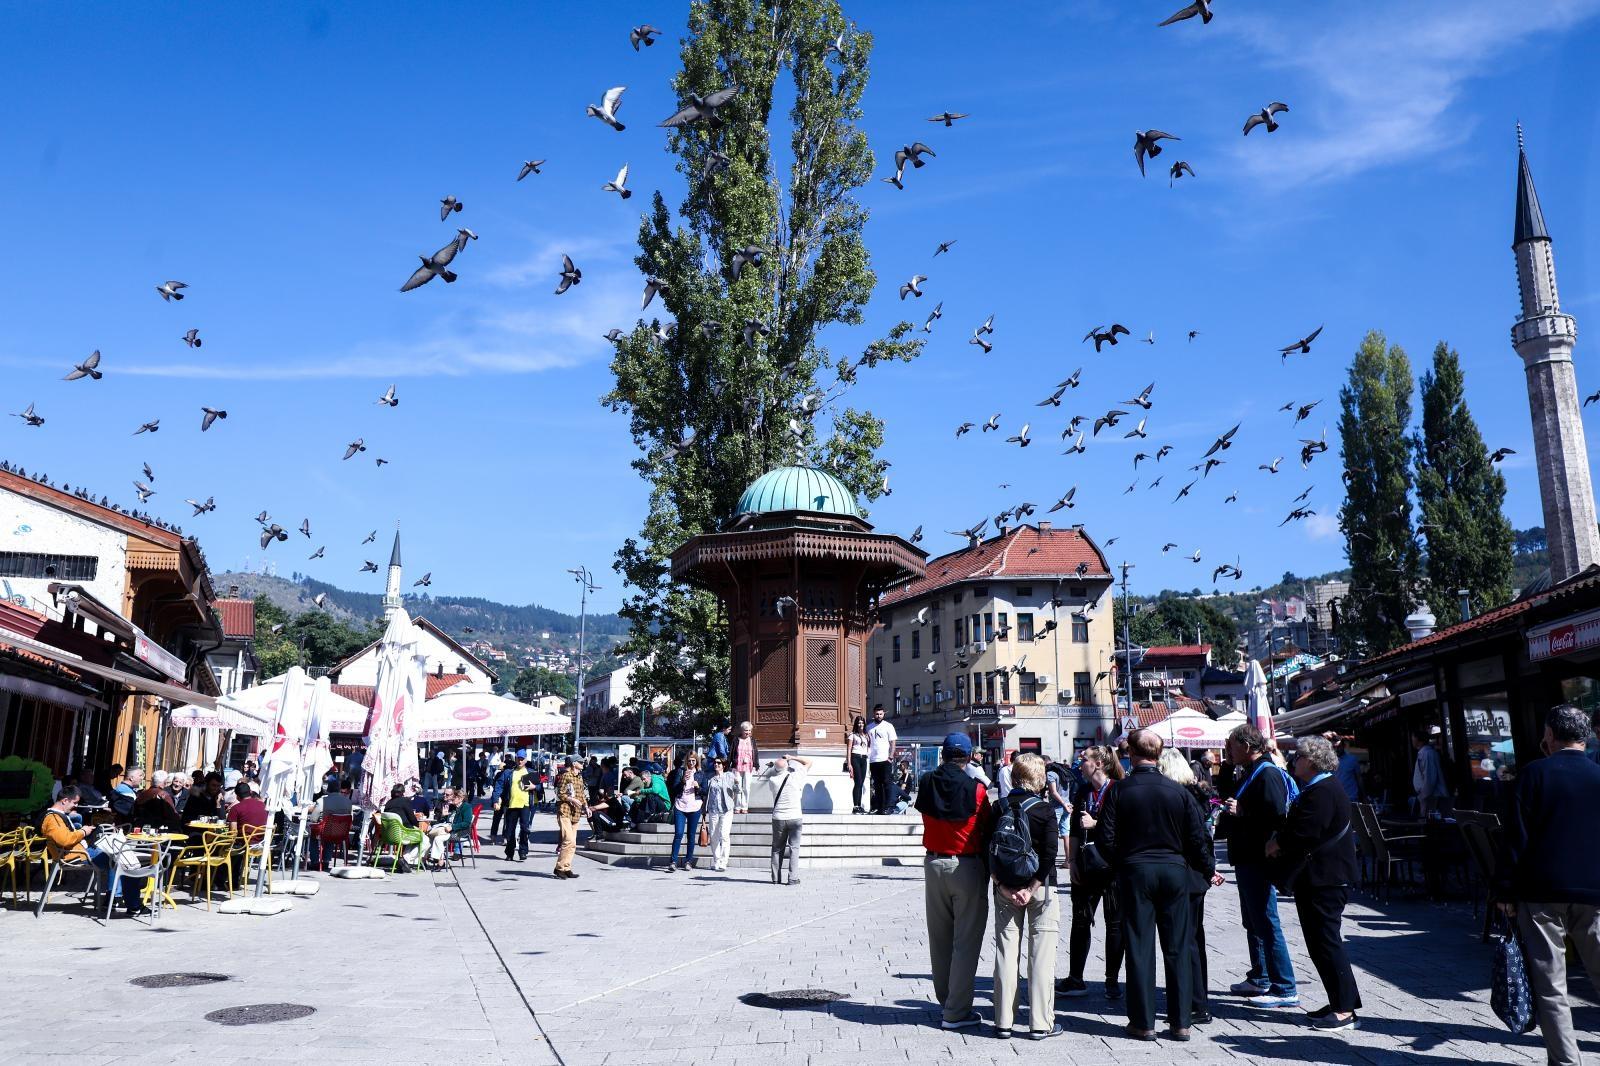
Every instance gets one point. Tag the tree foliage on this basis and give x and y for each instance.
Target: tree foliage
(540, 681)
(1177, 620)
(1375, 412)
(324, 639)
(778, 398)
(1461, 496)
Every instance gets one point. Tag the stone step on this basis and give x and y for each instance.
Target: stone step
(763, 846)
(764, 862)
(890, 840)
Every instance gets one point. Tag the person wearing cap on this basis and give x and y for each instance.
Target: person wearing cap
(517, 803)
(1427, 777)
(572, 807)
(955, 891)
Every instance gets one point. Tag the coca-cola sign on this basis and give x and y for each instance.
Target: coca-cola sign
(1563, 640)
(1565, 636)
(470, 714)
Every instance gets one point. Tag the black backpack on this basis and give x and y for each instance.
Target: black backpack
(1012, 859)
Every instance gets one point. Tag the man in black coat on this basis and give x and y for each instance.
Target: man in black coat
(1315, 853)
(1152, 835)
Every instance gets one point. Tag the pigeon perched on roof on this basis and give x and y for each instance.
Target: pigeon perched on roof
(610, 104)
(1264, 117)
(530, 166)
(1144, 144)
(89, 368)
(169, 290)
(209, 415)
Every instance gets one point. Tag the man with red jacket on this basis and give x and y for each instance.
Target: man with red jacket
(955, 878)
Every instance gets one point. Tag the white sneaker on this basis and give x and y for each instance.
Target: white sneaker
(1269, 999)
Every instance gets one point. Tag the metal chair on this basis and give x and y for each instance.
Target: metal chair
(214, 850)
(1384, 857)
(57, 870)
(151, 871)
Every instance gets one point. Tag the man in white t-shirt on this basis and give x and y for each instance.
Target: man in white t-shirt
(881, 739)
(788, 778)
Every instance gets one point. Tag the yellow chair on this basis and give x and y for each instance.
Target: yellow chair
(247, 844)
(12, 853)
(214, 850)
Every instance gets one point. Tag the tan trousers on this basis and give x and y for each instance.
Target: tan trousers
(1042, 914)
(955, 896)
(569, 841)
(1545, 927)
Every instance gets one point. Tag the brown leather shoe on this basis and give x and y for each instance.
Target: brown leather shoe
(1140, 1034)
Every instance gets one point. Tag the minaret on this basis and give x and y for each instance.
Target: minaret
(1544, 337)
(391, 591)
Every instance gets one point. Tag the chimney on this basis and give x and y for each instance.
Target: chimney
(1044, 525)
(233, 592)
(438, 671)
(1420, 622)
(1465, 596)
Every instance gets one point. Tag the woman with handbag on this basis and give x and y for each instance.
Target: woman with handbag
(685, 787)
(1314, 855)
(856, 763)
(1092, 882)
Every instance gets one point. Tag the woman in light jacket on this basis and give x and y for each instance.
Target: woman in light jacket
(721, 789)
(1030, 911)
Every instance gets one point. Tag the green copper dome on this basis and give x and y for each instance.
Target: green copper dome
(798, 488)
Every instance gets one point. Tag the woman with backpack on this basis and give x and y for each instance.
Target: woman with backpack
(1022, 866)
(1091, 876)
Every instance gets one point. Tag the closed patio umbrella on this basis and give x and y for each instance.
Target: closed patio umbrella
(399, 694)
(1257, 706)
(280, 766)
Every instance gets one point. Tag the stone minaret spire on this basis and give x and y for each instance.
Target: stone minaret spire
(391, 591)
(1544, 337)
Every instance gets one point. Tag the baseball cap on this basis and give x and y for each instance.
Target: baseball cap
(570, 760)
(958, 743)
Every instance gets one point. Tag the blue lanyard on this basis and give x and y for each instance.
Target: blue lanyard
(1314, 780)
(1097, 798)
(1261, 764)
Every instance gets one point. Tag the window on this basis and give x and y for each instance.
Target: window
(961, 631)
(1024, 625)
(956, 598)
(1081, 690)
(981, 590)
(935, 640)
(1077, 590)
(916, 643)
(1005, 687)
(1005, 626)
(897, 699)
(1024, 591)
(988, 625)
(1027, 690)
(977, 686)
(916, 697)
(888, 619)
(880, 671)
(896, 651)
(54, 567)
(961, 690)
(977, 629)
(1080, 629)
(938, 693)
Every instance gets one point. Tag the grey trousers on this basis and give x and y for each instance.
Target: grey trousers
(955, 896)
(786, 842)
(1544, 928)
(1043, 918)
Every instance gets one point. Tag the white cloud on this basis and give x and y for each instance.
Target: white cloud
(1322, 527)
(1384, 79)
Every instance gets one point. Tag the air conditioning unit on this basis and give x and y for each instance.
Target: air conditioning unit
(1042, 679)
(979, 647)
(1063, 696)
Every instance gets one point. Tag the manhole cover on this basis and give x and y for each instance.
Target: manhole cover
(791, 998)
(260, 1013)
(178, 980)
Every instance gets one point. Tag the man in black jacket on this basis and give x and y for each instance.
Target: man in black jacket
(1554, 875)
(1316, 853)
(1250, 816)
(1152, 835)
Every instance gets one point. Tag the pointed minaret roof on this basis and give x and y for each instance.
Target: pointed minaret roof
(394, 556)
(1530, 220)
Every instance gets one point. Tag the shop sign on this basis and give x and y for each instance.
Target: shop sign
(1580, 632)
(990, 712)
(1425, 694)
(1481, 672)
(154, 655)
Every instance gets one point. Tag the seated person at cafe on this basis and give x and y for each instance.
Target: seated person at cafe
(335, 803)
(249, 811)
(403, 809)
(205, 801)
(125, 793)
(460, 824)
(88, 795)
(153, 806)
(63, 843)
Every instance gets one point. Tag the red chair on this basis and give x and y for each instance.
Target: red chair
(477, 809)
(334, 831)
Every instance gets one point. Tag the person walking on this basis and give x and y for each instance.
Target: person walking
(1090, 873)
(1553, 879)
(1316, 856)
(789, 777)
(1176, 768)
(881, 739)
(497, 793)
(1427, 775)
(517, 802)
(721, 791)
(746, 758)
(685, 788)
(1253, 813)
(856, 762)
(1024, 897)
(1152, 835)
(572, 807)
(955, 816)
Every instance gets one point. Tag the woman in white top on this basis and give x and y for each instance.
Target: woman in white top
(856, 764)
(686, 790)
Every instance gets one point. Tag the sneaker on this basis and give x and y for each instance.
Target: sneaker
(1201, 1017)
(1320, 1011)
(1272, 999)
(1332, 1023)
(1247, 988)
(965, 1023)
(1003, 1034)
(1045, 1034)
(1071, 987)
(1113, 990)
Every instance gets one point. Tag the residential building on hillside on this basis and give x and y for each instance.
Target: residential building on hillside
(443, 655)
(1008, 639)
(611, 689)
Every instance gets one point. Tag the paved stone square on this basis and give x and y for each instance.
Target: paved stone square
(503, 963)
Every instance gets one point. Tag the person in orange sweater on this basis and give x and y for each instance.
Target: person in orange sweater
(65, 843)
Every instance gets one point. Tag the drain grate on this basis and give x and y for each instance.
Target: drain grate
(179, 980)
(260, 1013)
(791, 998)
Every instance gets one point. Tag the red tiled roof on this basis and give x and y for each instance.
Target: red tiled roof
(1024, 552)
(238, 618)
(1151, 713)
(33, 658)
(436, 631)
(364, 694)
(1177, 651)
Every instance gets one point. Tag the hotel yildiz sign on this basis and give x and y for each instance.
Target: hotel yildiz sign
(1567, 636)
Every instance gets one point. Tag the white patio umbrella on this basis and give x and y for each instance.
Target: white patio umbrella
(1257, 706)
(316, 757)
(400, 691)
(280, 764)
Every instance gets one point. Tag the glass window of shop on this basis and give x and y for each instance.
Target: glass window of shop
(1491, 756)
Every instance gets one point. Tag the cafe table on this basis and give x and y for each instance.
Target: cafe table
(158, 843)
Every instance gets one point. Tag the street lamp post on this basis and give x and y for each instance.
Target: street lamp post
(586, 585)
(1127, 642)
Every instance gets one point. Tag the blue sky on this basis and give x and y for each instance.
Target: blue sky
(287, 162)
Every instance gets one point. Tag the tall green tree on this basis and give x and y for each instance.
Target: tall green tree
(1177, 620)
(1374, 415)
(742, 373)
(1461, 496)
(539, 681)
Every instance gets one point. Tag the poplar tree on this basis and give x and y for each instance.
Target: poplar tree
(1374, 415)
(740, 383)
(1461, 496)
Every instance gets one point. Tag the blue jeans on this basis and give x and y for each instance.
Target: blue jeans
(1270, 967)
(132, 889)
(684, 821)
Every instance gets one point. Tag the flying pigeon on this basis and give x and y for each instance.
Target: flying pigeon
(1108, 419)
(424, 581)
(447, 205)
(699, 109)
(149, 475)
(1232, 497)
(1105, 336)
(1195, 558)
(1054, 399)
(316, 554)
(987, 327)
(963, 428)
(153, 426)
(784, 605)
(1591, 398)
(916, 535)
(209, 415)
(1129, 490)
(619, 184)
(169, 290)
(1144, 144)
(305, 527)
(1193, 333)
(749, 255)
(1072, 381)
(210, 504)
(436, 265)
(1303, 412)
(613, 335)
(897, 180)
(1199, 7)
(835, 47)
(1501, 453)
(980, 342)
(357, 445)
(321, 600)
(971, 532)
(646, 35)
(754, 327)
(913, 153)
(1264, 117)
(380, 462)
(658, 331)
(1064, 501)
(1149, 338)
(144, 491)
(368, 567)
(1143, 399)
(1272, 467)
(273, 532)
(944, 246)
(1209, 463)
(530, 166)
(263, 518)
(370, 537)
(1161, 452)
(389, 399)
(1020, 439)
(652, 285)
(992, 423)
(948, 117)
(1179, 169)
(1136, 431)
(610, 104)
(933, 316)
(913, 287)
(1183, 491)
(570, 275)
(1303, 496)
(1222, 443)
(192, 338)
(1303, 345)
(89, 368)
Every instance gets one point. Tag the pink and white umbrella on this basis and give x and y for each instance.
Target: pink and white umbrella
(391, 757)
(280, 764)
(316, 754)
(1257, 704)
